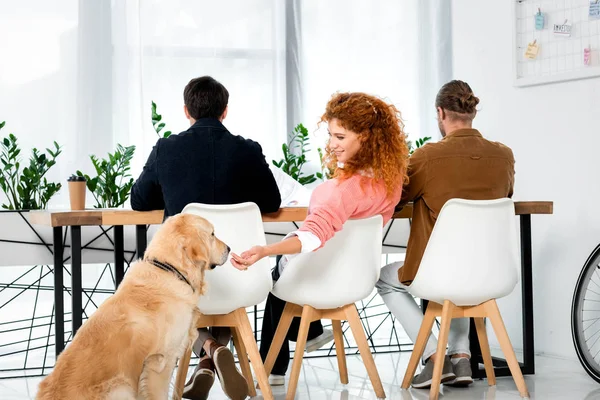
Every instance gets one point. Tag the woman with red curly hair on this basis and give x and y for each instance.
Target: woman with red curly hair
(367, 155)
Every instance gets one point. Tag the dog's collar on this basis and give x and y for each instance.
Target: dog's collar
(169, 268)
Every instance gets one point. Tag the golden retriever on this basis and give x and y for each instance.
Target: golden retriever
(129, 346)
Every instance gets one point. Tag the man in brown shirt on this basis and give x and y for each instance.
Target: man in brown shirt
(461, 165)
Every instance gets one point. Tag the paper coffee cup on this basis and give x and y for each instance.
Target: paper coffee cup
(77, 192)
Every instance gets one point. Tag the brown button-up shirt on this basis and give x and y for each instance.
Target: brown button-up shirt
(461, 165)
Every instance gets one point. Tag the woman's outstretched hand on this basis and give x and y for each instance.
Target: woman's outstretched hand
(248, 257)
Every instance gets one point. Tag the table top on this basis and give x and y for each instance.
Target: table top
(122, 216)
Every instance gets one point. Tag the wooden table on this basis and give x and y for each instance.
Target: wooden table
(120, 217)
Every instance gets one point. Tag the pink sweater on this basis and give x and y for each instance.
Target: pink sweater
(334, 202)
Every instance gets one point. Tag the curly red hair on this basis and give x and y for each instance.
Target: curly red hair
(383, 151)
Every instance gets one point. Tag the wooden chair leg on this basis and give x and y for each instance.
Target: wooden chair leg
(420, 343)
(307, 314)
(509, 353)
(184, 364)
(338, 337)
(363, 347)
(280, 334)
(485, 351)
(242, 354)
(434, 392)
(247, 337)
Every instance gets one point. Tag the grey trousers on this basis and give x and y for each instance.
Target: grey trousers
(220, 335)
(402, 304)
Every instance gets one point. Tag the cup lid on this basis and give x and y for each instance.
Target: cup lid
(75, 178)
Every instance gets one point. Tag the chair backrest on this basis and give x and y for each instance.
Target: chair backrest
(342, 272)
(240, 226)
(472, 255)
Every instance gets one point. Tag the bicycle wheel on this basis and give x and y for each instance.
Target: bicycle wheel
(585, 315)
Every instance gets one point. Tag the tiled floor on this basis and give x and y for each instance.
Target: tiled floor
(555, 379)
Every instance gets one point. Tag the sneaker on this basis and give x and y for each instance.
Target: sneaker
(423, 380)
(464, 375)
(276, 380)
(319, 341)
(198, 387)
(232, 381)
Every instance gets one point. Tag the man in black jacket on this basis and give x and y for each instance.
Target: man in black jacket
(207, 164)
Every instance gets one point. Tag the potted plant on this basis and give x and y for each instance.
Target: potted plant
(295, 153)
(25, 187)
(112, 184)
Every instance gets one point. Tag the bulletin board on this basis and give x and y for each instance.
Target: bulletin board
(562, 45)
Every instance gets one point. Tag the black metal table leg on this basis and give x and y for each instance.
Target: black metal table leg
(141, 240)
(76, 293)
(528, 364)
(119, 255)
(59, 302)
(527, 295)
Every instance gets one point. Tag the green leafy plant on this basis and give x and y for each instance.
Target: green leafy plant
(294, 156)
(26, 189)
(111, 186)
(157, 124)
(325, 172)
(418, 143)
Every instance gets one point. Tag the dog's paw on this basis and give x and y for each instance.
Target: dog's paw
(155, 363)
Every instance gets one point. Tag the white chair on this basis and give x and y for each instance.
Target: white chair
(229, 291)
(326, 284)
(471, 259)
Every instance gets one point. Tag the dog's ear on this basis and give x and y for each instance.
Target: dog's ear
(194, 249)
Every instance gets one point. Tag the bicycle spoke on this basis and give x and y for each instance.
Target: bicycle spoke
(596, 360)
(594, 282)
(595, 355)
(592, 324)
(591, 336)
(595, 273)
(590, 290)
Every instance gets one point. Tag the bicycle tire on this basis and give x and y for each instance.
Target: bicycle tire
(589, 361)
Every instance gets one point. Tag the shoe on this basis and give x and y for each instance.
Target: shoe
(423, 380)
(276, 380)
(232, 381)
(464, 375)
(198, 387)
(319, 341)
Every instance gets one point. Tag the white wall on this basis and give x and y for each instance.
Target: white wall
(553, 131)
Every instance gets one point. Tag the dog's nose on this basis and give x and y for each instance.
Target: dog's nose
(228, 249)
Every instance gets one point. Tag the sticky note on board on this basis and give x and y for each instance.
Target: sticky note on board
(532, 50)
(594, 12)
(539, 21)
(587, 56)
(563, 29)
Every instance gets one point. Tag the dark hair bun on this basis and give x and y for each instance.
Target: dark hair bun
(468, 103)
(457, 96)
